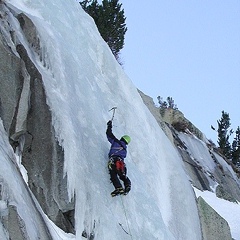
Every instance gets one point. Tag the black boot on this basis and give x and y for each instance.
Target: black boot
(117, 191)
(127, 189)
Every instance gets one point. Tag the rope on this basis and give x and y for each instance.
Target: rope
(125, 213)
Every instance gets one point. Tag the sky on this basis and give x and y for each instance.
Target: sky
(190, 51)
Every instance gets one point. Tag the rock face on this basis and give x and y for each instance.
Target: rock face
(15, 225)
(11, 84)
(213, 225)
(13, 204)
(27, 118)
(195, 171)
(155, 112)
(173, 122)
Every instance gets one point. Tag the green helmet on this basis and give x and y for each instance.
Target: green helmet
(126, 138)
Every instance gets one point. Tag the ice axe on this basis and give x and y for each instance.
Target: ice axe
(113, 109)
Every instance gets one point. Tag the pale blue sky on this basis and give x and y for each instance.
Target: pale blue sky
(189, 50)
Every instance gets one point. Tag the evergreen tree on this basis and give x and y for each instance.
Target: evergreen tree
(110, 20)
(84, 4)
(171, 103)
(236, 147)
(167, 104)
(91, 7)
(224, 134)
(162, 104)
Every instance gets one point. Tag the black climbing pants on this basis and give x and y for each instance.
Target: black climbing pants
(117, 170)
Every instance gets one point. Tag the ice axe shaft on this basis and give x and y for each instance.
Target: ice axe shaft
(113, 109)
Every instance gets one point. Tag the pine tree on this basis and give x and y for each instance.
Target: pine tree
(110, 20)
(162, 104)
(171, 103)
(236, 147)
(91, 7)
(84, 4)
(167, 104)
(224, 134)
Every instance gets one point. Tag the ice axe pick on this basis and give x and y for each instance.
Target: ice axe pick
(113, 109)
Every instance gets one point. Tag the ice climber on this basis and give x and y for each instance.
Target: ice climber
(117, 167)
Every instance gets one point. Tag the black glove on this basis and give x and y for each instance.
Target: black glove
(109, 123)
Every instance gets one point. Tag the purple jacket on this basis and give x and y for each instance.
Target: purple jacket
(118, 147)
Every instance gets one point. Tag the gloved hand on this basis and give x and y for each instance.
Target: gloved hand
(109, 123)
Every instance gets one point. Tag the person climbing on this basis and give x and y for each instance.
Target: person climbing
(116, 166)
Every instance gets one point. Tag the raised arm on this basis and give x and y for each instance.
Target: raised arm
(110, 136)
